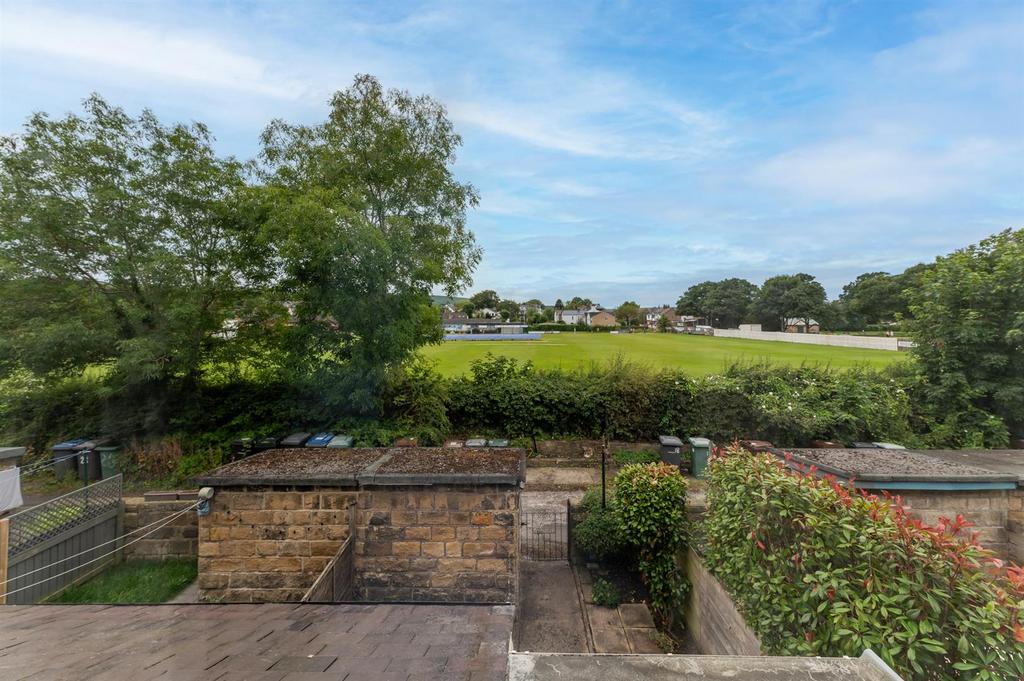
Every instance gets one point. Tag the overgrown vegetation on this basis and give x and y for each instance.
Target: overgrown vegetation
(628, 456)
(137, 581)
(819, 569)
(606, 594)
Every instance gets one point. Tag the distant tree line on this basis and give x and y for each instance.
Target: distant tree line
(872, 300)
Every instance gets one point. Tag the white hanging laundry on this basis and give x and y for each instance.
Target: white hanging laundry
(10, 489)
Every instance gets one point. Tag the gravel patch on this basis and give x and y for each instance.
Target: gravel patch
(297, 462)
(890, 463)
(451, 461)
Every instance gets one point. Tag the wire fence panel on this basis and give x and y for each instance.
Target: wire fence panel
(63, 560)
(543, 535)
(39, 524)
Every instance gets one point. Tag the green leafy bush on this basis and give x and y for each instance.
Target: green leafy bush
(606, 594)
(818, 569)
(651, 503)
(599, 535)
(627, 456)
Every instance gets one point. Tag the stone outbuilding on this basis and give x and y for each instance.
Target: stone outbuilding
(409, 524)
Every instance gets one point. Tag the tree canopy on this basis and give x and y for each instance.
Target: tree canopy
(968, 328)
(130, 246)
(723, 303)
(788, 296)
(119, 247)
(628, 314)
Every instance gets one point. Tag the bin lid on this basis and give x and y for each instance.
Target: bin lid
(476, 442)
(108, 448)
(499, 442)
(320, 440)
(670, 441)
(295, 440)
(888, 445)
(69, 445)
(864, 445)
(92, 444)
(341, 442)
(269, 441)
(699, 442)
(11, 452)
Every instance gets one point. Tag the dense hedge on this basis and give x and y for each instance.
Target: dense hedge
(789, 406)
(818, 569)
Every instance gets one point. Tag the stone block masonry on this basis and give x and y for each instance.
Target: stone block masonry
(1015, 525)
(436, 544)
(178, 539)
(269, 545)
(427, 525)
(986, 509)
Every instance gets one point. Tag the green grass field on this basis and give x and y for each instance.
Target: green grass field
(697, 355)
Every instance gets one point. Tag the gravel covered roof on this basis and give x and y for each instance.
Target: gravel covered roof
(893, 465)
(373, 466)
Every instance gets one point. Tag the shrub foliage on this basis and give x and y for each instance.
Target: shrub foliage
(651, 504)
(818, 569)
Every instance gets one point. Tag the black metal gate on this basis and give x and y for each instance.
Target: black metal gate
(543, 535)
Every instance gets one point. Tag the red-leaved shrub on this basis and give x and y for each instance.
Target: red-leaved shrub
(819, 568)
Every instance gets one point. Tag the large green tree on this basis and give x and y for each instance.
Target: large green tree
(363, 217)
(723, 303)
(876, 297)
(118, 248)
(695, 301)
(968, 327)
(628, 314)
(787, 296)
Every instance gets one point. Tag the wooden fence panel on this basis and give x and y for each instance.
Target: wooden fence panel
(61, 542)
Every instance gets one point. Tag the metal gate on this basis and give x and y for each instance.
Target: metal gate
(543, 535)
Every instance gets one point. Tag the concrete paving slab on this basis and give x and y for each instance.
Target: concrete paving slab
(610, 640)
(549, 618)
(602, 617)
(636, 615)
(641, 640)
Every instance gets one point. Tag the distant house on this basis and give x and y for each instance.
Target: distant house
(656, 313)
(581, 316)
(686, 324)
(603, 318)
(796, 325)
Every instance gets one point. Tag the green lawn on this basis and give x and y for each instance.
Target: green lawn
(697, 355)
(137, 581)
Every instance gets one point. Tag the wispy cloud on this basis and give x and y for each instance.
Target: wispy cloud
(183, 56)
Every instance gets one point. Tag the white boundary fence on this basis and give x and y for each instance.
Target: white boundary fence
(865, 342)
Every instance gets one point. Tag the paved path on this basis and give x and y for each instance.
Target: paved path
(267, 642)
(190, 594)
(549, 615)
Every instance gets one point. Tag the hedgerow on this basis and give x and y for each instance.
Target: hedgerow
(820, 569)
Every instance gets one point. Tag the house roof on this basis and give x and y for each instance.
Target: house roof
(798, 321)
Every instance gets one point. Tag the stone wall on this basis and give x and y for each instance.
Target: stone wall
(267, 545)
(987, 509)
(1015, 525)
(437, 543)
(177, 539)
(712, 619)
(422, 543)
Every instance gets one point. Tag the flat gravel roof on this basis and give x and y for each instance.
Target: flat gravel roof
(897, 465)
(372, 466)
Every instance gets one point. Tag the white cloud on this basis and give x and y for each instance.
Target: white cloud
(871, 169)
(188, 57)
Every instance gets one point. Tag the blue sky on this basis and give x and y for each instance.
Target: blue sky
(623, 150)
